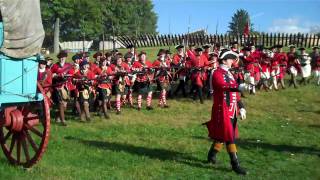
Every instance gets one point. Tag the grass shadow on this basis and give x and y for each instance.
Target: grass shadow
(252, 144)
(309, 111)
(153, 153)
(314, 125)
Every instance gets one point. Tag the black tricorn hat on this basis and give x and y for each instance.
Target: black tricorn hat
(142, 52)
(168, 51)
(246, 48)
(206, 46)
(97, 54)
(179, 46)
(302, 48)
(234, 42)
(198, 49)
(161, 52)
(130, 46)
(62, 54)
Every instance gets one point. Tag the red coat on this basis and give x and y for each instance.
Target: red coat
(138, 66)
(45, 79)
(249, 64)
(282, 59)
(124, 67)
(224, 108)
(199, 77)
(158, 64)
(104, 71)
(58, 72)
(176, 59)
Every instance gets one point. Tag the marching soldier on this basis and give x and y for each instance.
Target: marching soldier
(227, 105)
(198, 66)
(305, 61)
(249, 66)
(144, 76)
(84, 80)
(162, 75)
(206, 50)
(45, 77)
(132, 54)
(60, 94)
(293, 65)
(315, 58)
(179, 61)
(105, 75)
(282, 60)
(121, 80)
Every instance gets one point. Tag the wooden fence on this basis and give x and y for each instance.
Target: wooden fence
(266, 39)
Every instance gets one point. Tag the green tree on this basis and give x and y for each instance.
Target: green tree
(79, 18)
(239, 21)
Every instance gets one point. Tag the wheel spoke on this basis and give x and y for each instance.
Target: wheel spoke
(25, 148)
(31, 118)
(33, 144)
(7, 136)
(19, 150)
(13, 142)
(34, 130)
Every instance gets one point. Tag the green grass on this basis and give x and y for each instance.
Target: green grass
(279, 140)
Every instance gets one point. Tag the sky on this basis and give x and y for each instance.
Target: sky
(289, 16)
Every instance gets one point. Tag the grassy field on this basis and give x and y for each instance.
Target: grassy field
(279, 140)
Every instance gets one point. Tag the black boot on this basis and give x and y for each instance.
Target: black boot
(212, 155)
(235, 164)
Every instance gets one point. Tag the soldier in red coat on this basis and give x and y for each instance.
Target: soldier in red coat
(84, 79)
(227, 105)
(249, 61)
(104, 73)
(206, 50)
(162, 66)
(282, 60)
(60, 94)
(45, 77)
(293, 65)
(198, 66)
(121, 80)
(144, 76)
(179, 61)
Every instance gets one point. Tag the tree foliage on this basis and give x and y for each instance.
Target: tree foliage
(90, 19)
(239, 21)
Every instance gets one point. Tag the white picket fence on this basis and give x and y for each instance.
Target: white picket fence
(75, 46)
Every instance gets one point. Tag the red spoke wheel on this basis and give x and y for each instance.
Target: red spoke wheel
(25, 135)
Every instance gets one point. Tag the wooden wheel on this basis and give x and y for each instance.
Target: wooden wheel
(25, 133)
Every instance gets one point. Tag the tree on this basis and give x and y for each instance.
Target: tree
(91, 19)
(239, 21)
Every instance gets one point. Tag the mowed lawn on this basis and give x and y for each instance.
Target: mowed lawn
(279, 140)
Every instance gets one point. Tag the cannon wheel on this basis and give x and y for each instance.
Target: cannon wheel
(26, 135)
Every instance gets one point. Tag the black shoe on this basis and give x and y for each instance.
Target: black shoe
(237, 169)
(235, 164)
(165, 106)
(118, 112)
(149, 108)
(212, 155)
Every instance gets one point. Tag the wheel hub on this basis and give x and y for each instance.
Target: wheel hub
(13, 119)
